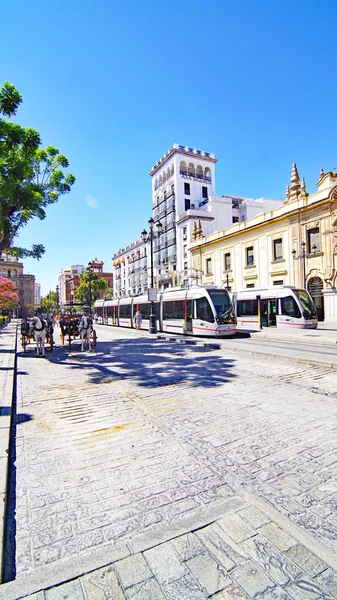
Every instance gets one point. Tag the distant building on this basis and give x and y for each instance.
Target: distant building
(37, 294)
(98, 267)
(69, 280)
(183, 198)
(67, 283)
(11, 268)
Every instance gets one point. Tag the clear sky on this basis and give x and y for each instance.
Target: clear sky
(114, 85)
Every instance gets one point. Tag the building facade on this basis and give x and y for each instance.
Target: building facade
(183, 199)
(11, 268)
(70, 278)
(67, 282)
(295, 244)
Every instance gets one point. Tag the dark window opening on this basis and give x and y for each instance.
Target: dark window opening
(278, 254)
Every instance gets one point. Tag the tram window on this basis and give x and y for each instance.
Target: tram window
(173, 309)
(290, 307)
(111, 311)
(125, 310)
(246, 308)
(145, 309)
(204, 310)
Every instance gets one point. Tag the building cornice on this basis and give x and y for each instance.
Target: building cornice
(258, 222)
(186, 151)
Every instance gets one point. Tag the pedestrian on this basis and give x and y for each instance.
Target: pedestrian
(137, 319)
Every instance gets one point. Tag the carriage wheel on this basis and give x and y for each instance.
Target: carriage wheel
(94, 337)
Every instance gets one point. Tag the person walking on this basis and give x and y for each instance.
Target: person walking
(137, 319)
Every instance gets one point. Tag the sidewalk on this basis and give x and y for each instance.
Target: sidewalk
(324, 335)
(248, 550)
(7, 366)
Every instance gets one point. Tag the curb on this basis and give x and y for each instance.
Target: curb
(9, 363)
(258, 353)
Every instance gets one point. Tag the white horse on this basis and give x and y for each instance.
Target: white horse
(39, 328)
(85, 329)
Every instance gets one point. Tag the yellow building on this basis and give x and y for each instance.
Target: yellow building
(295, 244)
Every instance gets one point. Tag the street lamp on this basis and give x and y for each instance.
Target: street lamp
(302, 257)
(89, 271)
(152, 292)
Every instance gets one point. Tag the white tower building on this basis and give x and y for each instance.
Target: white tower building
(184, 201)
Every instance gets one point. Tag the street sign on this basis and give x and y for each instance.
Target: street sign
(152, 294)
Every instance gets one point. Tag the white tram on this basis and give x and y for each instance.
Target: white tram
(194, 310)
(281, 306)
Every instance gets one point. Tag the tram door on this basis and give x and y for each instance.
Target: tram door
(268, 312)
(188, 315)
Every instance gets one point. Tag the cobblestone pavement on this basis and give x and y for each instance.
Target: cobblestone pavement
(201, 473)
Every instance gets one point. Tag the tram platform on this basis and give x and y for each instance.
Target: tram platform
(324, 335)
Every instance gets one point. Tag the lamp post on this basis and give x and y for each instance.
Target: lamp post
(149, 237)
(89, 271)
(302, 257)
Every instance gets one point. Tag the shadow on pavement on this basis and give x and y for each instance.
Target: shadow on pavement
(158, 363)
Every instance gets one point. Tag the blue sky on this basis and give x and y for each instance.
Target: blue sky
(115, 84)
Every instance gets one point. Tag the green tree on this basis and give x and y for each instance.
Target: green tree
(90, 284)
(50, 301)
(30, 178)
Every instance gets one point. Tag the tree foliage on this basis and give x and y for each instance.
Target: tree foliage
(50, 301)
(90, 281)
(31, 178)
(9, 297)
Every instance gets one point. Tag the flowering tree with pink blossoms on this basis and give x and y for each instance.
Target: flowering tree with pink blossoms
(9, 297)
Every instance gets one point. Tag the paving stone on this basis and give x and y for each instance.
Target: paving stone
(232, 592)
(133, 569)
(185, 588)
(210, 575)
(102, 584)
(277, 536)
(304, 588)
(273, 562)
(164, 563)
(253, 516)
(306, 560)
(276, 594)
(328, 580)
(252, 579)
(216, 542)
(187, 546)
(146, 590)
(236, 527)
(65, 591)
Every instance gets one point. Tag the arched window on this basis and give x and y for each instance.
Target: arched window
(156, 184)
(200, 171)
(315, 286)
(191, 169)
(208, 174)
(172, 169)
(315, 289)
(183, 167)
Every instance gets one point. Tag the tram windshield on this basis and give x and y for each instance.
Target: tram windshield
(223, 306)
(307, 303)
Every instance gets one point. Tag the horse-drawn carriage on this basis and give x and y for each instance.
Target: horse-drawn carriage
(78, 326)
(37, 330)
